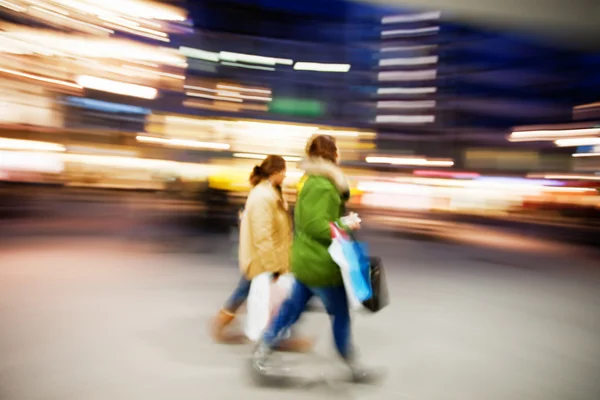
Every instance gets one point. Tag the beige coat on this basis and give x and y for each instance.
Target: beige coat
(265, 232)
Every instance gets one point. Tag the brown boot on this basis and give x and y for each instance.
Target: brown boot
(219, 327)
(296, 345)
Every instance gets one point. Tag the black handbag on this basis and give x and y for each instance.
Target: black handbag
(379, 287)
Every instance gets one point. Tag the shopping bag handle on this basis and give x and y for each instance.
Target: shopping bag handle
(337, 232)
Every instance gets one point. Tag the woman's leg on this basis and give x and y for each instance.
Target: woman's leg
(336, 303)
(289, 312)
(227, 313)
(238, 297)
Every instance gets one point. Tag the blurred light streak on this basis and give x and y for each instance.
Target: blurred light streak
(120, 21)
(117, 161)
(244, 96)
(229, 107)
(584, 106)
(12, 6)
(41, 78)
(409, 48)
(406, 104)
(107, 106)
(253, 59)
(424, 75)
(31, 161)
(547, 135)
(232, 64)
(133, 8)
(99, 67)
(133, 26)
(173, 119)
(409, 161)
(447, 174)
(388, 62)
(321, 67)
(425, 16)
(405, 119)
(422, 90)
(95, 150)
(182, 143)
(194, 87)
(97, 48)
(200, 54)
(126, 89)
(586, 155)
(208, 96)
(566, 177)
(571, 190)
(509, 180)
(18, 144)
(240, 88)
(147, 64)
(411, 32)
(151, 31)
(72, 20)
(577, 142)
(151, 72)
(44, 4)
(263, 156)
(145, 21)
(137, 32)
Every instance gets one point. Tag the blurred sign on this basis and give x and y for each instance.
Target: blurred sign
(300, 107)
(588, 149)
(107, 106)
(502, 160)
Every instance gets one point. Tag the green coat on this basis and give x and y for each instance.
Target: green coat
(320, 202)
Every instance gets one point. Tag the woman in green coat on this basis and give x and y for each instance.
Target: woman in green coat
(320, 203)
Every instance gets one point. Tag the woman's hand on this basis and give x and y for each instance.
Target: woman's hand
(351, 221)
(353, 226)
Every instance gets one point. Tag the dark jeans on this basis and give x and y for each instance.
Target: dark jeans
(239, 296)
(335, 302)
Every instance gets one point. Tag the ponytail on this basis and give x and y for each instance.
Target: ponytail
(270, 165)
(257, 175)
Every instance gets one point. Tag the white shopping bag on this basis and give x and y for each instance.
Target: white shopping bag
(264, 300)
(350, 256)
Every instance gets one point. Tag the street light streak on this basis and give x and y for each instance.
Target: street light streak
(425, 16)
(12, 6)
(208, 96)
(57, 15)
(232, 64)
(388, 62)
(417, 31)
(135, 32)
(151, 72)
(41, 78)
(244, 89)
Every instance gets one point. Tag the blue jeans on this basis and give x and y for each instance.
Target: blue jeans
(336, 303)
(238, 297)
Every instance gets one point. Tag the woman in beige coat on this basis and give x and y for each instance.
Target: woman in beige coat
(265, 241)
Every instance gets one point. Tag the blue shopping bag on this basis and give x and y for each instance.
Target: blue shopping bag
(352, 258)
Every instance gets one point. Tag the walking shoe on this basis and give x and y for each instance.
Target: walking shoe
(360, 374)
(296, 345)
(260, 358)
(267, 370)
(219, 326)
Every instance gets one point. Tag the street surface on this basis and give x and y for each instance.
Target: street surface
(478, 315)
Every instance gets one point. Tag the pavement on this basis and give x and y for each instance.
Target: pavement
(486, 315)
